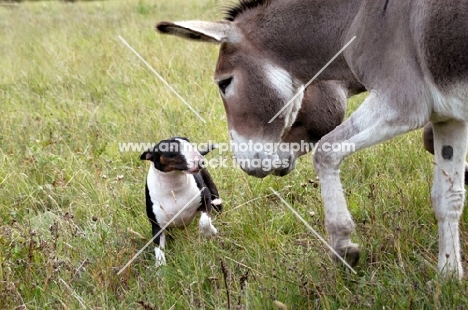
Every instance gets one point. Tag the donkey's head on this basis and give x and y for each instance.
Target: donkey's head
(253, 88)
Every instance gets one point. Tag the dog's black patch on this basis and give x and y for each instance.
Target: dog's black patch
(447, 152)
(152, 218)
(210, 193)
(166, 155)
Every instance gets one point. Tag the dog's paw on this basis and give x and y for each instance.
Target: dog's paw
(209, 231)
(216, 202)
(160, 257)
(206, 227)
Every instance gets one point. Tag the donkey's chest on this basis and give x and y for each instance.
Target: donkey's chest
(167, 202)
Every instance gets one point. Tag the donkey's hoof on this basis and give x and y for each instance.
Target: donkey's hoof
(350, 254)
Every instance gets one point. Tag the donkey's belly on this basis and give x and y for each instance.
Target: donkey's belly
(445, 41)
(451, 103)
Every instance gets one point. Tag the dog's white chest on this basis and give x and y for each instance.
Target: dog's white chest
(170, 192)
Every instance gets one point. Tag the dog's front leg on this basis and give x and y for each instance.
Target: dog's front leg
(205, 225)
(205, 219)
(160, 242)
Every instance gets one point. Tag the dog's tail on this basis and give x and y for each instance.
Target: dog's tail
(208, 149)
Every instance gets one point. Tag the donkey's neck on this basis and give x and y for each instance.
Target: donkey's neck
(301, 39)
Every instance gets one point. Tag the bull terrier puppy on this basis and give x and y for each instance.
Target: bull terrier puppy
(176, 175)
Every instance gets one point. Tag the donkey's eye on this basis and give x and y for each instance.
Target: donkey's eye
(224, 84)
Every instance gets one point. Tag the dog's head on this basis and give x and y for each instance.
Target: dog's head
(175, 154)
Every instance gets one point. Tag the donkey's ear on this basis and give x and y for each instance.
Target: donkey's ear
(213, 32)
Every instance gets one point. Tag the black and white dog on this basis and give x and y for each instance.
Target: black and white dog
(175, 176)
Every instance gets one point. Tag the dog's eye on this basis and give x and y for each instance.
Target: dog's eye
(224, 84)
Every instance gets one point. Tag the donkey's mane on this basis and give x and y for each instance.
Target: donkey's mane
(244, 5)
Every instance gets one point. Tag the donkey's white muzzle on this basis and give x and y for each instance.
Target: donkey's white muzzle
(261, 164)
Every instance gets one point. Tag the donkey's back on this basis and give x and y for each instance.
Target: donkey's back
(427, 40)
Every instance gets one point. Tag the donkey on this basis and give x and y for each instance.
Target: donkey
(410, 56)
(322, 109)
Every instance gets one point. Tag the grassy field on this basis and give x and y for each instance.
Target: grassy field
(72, 204)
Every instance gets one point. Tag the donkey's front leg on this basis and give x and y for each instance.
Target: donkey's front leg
(337, 217)
(375, 121)
(448, 192)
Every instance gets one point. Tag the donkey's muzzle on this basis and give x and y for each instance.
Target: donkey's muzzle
(261, 164)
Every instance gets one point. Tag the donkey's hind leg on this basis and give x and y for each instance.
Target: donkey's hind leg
(374, 121)
(448, 191)
(428, 139)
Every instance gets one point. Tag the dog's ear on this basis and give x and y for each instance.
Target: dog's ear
(208, 149)
(147, 155)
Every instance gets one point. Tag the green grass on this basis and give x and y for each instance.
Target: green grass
(72, 205)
